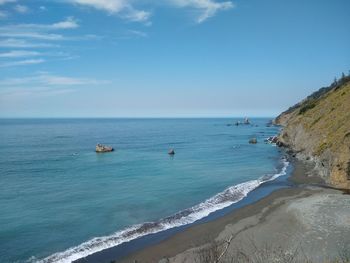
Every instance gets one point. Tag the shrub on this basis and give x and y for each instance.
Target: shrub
(307, 107)
(316, 121)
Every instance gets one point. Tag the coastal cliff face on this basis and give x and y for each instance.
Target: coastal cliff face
(318, 130)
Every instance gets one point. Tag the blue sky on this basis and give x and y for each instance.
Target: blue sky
(177, 58)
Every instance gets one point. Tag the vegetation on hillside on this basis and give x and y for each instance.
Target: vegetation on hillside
(319, 93)
(319, 126)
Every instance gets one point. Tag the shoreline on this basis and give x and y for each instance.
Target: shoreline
(154, 247)
(246, 193)
(201, 234)
(308, 222)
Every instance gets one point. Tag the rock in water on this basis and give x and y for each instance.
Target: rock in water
(253, 141)
(171, 152)
(246, 121)
(103, 148)
(272, 139)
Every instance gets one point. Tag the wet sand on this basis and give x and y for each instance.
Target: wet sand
(201, 234)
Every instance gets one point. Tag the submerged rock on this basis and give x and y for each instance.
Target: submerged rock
(253, 141)
(171, 152)
(103, 148)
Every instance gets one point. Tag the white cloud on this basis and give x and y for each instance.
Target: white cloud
(206, 8)
(33, 35)
(111, 6)
(137, 15)
(69, 23)
(38, 31)
(20, 32)
(21, 9)
(22, 63)
(126, 8)
(123, 8)
(19, 54)
(21, 43)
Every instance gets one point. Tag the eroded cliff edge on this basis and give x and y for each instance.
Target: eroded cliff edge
(318, 130)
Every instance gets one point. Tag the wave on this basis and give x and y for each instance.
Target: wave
(221, 200)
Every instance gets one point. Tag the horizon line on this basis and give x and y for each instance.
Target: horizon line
(140, 117)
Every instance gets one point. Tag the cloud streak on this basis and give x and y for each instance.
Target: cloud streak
(205, 8)
(21, 43)
(17, 35)
(19, 54)
(44, 79)
(68, 23)
(43, 84)
(22, 63)
(38, 36)
(125, 8)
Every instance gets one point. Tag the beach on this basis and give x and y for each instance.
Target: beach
(181, 131)
(308, 221)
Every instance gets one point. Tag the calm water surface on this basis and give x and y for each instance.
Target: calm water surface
(57, 193)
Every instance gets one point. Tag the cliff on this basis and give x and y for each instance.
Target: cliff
(318, 130)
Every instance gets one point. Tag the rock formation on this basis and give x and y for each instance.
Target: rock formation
(253, 141)
(100, 148)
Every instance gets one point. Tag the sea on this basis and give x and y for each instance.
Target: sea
(61, 201)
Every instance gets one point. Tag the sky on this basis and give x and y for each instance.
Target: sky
(170, 58)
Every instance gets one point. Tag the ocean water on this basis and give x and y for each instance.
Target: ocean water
(61, 201)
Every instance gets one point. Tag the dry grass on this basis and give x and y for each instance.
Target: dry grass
(320, 126)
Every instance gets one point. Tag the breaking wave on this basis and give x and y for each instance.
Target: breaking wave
(221, 200)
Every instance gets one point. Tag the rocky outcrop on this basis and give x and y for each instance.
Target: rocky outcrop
(253, 141)
(100, 148)
(318, 131)
(272, 139)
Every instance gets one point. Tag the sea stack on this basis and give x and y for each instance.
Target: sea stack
(253, 141)
(100, 148)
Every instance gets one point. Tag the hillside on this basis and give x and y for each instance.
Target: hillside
(318, 130)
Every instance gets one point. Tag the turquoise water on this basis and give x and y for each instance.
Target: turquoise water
(57, 194)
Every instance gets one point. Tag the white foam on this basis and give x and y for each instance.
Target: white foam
(224, 199)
